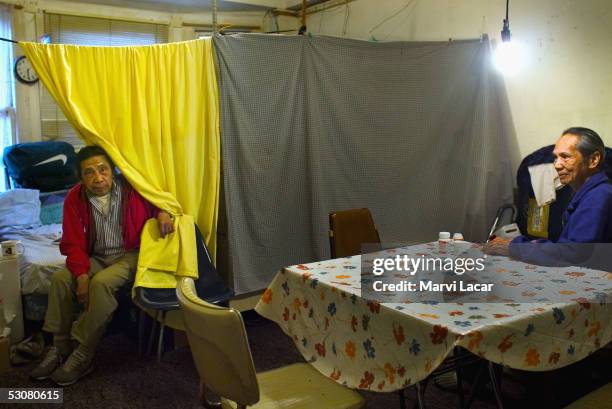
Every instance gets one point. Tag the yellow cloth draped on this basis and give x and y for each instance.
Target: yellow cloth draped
(154, 109)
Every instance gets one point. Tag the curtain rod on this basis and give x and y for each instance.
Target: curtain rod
(9, 40)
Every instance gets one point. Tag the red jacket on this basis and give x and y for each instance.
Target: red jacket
(79, 230)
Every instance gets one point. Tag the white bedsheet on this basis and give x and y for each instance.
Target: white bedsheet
(41, 256)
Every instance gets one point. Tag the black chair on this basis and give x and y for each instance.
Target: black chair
(555, 209)
(209, 286)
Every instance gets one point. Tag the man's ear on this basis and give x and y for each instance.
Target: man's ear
(595, 160)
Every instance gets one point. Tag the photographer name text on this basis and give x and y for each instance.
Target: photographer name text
(428, 285)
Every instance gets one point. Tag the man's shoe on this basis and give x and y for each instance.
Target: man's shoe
(47, 366)
(32, 347)
(76, 366)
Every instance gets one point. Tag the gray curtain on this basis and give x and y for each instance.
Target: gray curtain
(415, 131)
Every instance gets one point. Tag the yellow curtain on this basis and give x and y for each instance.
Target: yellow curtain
(154, 109)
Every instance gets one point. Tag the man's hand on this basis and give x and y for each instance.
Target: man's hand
(165, 224)
(82, 290)
(497, 247)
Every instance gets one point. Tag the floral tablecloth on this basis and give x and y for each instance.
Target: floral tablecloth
(385, 347)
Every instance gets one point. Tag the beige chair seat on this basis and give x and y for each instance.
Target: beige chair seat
(291, 387)
(598, 399)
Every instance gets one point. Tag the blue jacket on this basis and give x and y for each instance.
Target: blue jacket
(587, 219)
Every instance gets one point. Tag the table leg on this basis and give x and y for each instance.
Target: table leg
(460, 388)
(495, 386)
(419, 395)
(402, 399)
(457, 354)
(476, 385)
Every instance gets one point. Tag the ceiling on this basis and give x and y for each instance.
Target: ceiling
(203, 6)
(309, 3)
(181, 6)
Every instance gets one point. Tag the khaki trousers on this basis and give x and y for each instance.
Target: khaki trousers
(106, 275)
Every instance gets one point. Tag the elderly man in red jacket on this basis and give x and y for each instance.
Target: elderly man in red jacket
(102, 221)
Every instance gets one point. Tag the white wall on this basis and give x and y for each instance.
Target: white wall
(568, 80)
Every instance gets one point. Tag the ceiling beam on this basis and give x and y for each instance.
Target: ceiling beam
(274, 4)
(287, 13)
(292, 3)
(325, 5)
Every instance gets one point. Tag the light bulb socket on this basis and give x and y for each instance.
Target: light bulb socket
(505, 33)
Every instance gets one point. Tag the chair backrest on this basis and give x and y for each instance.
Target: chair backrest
(525, 192)
(219, 346)
(349, 230)
(210, 285)
(207, 273)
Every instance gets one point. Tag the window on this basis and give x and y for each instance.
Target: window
(7, 106)
(64, 29)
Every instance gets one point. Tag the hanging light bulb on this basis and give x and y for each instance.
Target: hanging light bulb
(509, 57)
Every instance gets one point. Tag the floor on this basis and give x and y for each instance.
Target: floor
(123, 380)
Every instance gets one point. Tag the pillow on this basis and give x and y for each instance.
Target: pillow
(20, 208)
(52, 207)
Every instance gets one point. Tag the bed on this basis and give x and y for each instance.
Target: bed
(21, 219)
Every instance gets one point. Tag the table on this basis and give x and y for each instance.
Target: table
(386, 347)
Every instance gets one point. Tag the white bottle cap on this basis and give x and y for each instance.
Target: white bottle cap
(457, 236)
(444, 235)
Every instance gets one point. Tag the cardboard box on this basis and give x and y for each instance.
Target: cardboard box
(5, 363)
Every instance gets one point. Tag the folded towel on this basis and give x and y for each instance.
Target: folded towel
(545, 181)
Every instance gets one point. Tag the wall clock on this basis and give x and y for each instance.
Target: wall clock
(24, 71)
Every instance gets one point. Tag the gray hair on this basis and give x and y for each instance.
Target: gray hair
(589, 143)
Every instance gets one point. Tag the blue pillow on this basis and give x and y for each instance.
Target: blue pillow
(52, 207)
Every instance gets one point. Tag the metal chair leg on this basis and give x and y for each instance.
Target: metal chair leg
(495, 385)
(141, 320)
(161, 336)
(150, 347)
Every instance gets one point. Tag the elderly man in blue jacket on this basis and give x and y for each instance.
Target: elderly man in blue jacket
(579, 160)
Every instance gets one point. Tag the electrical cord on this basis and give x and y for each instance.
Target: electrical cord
(393, 15)
(346, 18)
